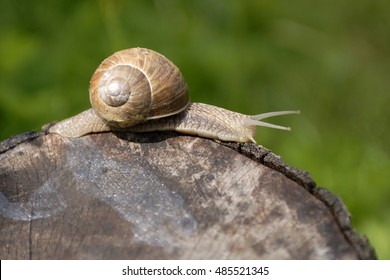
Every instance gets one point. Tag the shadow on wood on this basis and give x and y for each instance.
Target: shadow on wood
(163, 196)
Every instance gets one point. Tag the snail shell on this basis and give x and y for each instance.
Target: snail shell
(136, 85)
(140, 90)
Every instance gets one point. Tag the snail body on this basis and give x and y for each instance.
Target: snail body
(139, 90)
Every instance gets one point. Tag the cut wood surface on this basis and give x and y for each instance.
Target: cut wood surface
(163, 196)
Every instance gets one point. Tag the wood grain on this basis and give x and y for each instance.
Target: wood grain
(163, 196)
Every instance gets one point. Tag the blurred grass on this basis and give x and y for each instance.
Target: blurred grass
(328, 58)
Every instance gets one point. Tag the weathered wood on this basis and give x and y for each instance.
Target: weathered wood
(163, 196)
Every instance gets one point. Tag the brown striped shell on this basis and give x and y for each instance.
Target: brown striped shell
(135, 85)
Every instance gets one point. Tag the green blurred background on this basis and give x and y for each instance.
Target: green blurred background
(328, 58)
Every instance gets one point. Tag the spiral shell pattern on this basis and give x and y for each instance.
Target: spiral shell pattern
(135, 85)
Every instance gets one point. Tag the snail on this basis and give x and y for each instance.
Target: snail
(140, 90)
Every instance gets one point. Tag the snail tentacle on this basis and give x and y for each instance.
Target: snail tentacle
(255, 119)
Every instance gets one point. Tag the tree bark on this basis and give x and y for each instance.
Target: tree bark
(163, 196)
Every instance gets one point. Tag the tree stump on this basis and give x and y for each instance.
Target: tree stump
(163, 196)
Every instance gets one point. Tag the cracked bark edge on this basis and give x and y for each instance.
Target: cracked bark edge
(15, 140)
(340, 212)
